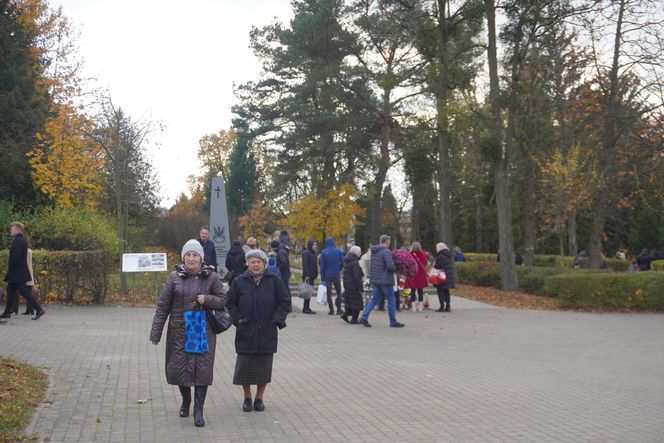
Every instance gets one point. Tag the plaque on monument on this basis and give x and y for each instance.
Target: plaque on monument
(219, 233)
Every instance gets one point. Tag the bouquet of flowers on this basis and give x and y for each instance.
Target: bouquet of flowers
(406, 264)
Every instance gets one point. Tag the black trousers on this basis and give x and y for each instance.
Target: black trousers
(353, 313)
(13, 290)
(443, 295)
(420, 294)
(337, 286)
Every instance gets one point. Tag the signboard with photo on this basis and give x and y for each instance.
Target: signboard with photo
(144, 262)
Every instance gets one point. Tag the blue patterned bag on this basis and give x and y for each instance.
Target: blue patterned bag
(196, 339)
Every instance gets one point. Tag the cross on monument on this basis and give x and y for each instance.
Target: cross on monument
(218, 190)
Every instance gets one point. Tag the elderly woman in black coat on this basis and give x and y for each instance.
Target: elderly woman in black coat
(445, 261)
(192, 286)
(258, 304)
(352, 273)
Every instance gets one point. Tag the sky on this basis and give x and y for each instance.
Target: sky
(173, 62)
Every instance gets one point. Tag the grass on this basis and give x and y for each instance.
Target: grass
(22, 388)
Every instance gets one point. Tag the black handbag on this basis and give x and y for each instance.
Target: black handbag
(219, 319)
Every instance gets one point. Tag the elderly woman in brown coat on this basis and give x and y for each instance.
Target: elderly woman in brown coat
(191, 285)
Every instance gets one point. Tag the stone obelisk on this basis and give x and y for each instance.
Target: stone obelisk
(219, 232)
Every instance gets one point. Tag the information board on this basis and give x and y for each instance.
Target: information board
(144, 262)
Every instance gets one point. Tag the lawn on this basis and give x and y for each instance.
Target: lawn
(21, 391)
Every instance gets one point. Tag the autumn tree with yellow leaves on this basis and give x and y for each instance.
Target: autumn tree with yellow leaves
(331, 215)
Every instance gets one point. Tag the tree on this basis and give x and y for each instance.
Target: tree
(129, 178)
(23, 100)
(329, 216)
(66, 162)
(299, 111)
(214, 151)
(242, 177)
(495, 150)
(637, 51)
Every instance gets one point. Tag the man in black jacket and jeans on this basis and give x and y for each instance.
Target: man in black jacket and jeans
(18, 273)
(309, 270)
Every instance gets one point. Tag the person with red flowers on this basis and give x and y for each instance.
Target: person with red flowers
(418, 282)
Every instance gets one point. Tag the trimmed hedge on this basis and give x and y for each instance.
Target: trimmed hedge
(658, 265)
(70, 276)
(642, 290)
(550, 261)
(531, 280)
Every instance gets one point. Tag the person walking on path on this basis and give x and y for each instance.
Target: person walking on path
(283, 262)
(445, 261)
(418, 282)
(309, 270)
(18, 273)
(331, 262)
(381, 275)
(353, 302)
(235, 261)
(31, 283)
(258, 304)
(210, 253)
(191, 286)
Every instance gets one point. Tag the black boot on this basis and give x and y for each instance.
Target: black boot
(185, 391)
(199, 400)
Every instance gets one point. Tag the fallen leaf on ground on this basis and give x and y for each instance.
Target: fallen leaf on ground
(143, 401)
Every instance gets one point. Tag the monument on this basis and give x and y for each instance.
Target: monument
(219, 232)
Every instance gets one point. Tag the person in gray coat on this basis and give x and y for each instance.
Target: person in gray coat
(191, 286)
(381, 275)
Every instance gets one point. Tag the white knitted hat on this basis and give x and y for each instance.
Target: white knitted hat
(193, 246)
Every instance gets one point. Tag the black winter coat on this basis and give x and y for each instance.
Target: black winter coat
(210, 252)
(309, 263)
(444, 260)
(352, 274)
(283, 262)
(235, 260)
(17, 265)
(257, 312)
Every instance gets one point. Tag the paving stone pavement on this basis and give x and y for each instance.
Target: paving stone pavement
(477, 374)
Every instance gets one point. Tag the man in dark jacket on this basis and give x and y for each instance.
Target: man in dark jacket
(331, 262)
(208, 247)
(381, 275)
(18, 273)
(309, 270)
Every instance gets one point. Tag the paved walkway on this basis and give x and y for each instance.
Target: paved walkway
(478, 374)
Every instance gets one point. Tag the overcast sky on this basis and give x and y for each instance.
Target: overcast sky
(174, 62)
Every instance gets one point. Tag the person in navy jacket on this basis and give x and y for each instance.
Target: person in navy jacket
(331, 263)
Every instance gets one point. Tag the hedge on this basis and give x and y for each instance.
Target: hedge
(658, 265)
(70, 276)
(550, 261)
(641, 290)
(531, 280)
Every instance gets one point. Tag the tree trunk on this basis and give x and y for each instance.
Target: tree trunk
(508, 278)
(381, 175)
(601, 200)
(572, 246)
(478, 224)
(529, 217)
(442, 125)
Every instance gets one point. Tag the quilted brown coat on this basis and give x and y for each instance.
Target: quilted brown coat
(179, 295)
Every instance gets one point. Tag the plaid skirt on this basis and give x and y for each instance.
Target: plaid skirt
(253, 369)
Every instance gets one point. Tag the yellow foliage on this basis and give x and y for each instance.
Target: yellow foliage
(257, 221)
(66, 162)
(316, 218)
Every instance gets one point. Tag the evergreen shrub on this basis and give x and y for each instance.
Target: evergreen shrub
(588, 290)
